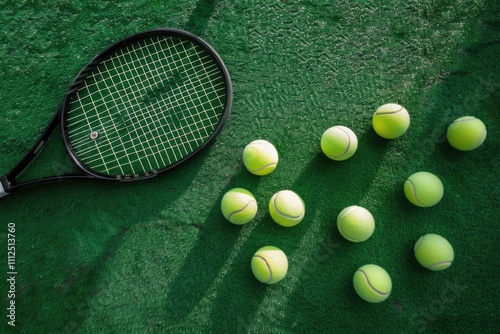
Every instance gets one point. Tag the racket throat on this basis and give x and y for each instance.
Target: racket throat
(4, 186)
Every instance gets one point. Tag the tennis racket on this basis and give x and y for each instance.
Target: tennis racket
(142, 106)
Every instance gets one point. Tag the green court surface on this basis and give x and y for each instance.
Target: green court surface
(158, 256)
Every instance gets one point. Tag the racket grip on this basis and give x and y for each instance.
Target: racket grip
(4, 186)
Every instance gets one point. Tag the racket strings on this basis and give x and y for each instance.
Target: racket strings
(150, 105)
(126, 90)
(83, 128)
(179, 132)
(134, 88)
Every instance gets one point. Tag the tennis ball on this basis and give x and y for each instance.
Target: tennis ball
(269, 265)
(391, 121)
(238, 206)
(434, 252)
(260, 157)
(339, 143)
(466, 133)
(372, 283)
(423, 189)
(355, 223)
(286, 208)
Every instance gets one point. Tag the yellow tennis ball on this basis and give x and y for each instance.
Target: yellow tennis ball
(424, 189)
(260, 157)
(466, 133)
(239, 206)
(269, 265)
(391, 121)
(339, 143)
(372, 283)
(287, 208)
(355, 223)
(434, 252)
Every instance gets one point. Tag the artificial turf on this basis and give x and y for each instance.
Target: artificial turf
(158, 256)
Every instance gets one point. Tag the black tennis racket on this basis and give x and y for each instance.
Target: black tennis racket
(142, 106)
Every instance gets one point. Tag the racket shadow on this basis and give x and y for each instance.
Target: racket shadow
(74, 241)
(202, 268)
(214, 253)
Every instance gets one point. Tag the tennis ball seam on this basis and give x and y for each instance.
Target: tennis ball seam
(482, 139)
(268, 268)
(371, 286)
(414, 190)
(262, 168)
(240, 210)
(465, 119)
(388, 112)
(419, 243)
(348, 144)
(342, 227)
(439, 263)
(284, 214)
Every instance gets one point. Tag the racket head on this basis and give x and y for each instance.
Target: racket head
(145, 104)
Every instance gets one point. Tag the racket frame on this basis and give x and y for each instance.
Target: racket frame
(8, 182)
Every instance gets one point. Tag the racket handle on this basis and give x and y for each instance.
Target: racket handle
(4, 186)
